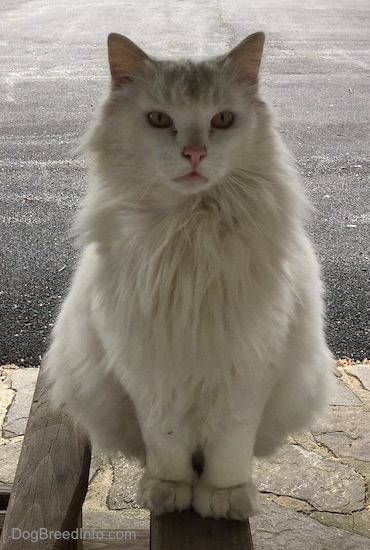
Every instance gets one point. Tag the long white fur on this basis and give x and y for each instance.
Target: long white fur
(194, 321)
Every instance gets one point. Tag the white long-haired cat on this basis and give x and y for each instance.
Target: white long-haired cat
(192, 335)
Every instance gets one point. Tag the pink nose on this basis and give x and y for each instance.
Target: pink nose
(194, 154)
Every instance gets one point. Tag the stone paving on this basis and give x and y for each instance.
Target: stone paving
(314, 490)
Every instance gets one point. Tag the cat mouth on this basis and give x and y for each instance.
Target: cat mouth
(191, 177)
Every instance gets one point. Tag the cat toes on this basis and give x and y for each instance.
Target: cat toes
(240, 502)
(162, 496)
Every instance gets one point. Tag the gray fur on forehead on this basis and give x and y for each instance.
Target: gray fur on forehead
(189, 80)
(194, 78)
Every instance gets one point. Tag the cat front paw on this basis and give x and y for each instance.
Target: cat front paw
(239, 502)
(162, 496)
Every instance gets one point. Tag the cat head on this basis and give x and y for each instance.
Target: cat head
(182, 124)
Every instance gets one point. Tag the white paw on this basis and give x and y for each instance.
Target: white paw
(240, 502)
(162, 497)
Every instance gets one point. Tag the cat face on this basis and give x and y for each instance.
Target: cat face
(183, 124)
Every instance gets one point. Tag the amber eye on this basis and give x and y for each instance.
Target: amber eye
(222, 120)
(159, 120)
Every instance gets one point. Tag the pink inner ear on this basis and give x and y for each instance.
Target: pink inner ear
(249, 66)
(119, 75)
(248, 77)
(247, 57)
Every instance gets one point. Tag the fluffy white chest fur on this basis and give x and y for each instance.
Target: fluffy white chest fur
(192, 336)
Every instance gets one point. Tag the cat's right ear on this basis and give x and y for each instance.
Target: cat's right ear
(125, 58)
(247, 56)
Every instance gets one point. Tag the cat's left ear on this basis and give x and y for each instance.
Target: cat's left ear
(125, 58)
(247, 56)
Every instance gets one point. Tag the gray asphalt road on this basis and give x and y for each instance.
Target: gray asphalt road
(53, 72)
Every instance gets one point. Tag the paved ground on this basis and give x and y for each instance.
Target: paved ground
(315, 490)
(53, 71)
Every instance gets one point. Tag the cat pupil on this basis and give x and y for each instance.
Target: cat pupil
(223, 120)
(159, 119)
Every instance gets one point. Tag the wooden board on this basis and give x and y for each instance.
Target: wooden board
(188, 531)
(51, 479)
(180, 531)
(140, 542)
(2, 519)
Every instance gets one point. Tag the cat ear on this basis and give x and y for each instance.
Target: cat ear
(247, 56)
(124, 58)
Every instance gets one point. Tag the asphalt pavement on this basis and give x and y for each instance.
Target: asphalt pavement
(53, 73)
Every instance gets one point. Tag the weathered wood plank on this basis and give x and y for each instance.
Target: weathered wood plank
(51, 479)
(79, 545)
(188, 531)
(137, 539)
(2, 519)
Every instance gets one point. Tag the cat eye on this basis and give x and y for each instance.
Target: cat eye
(222, 120)
(159, 120)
